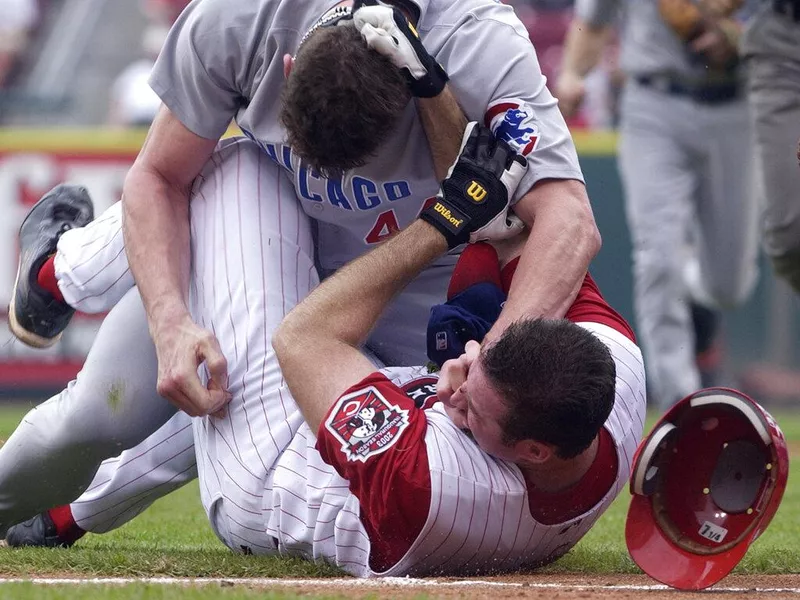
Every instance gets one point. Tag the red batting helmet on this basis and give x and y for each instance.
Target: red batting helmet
(705, 483)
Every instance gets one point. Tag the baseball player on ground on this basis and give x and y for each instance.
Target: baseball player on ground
(354, 208)
(771, 50)
(684, 156)
(532, 440)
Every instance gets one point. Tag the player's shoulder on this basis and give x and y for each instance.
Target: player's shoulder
(223, 11)
(443, 14)
(216, 17)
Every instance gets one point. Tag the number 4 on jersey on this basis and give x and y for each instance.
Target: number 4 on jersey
(386, 225)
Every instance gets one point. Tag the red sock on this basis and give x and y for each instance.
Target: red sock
(66, 527)
(478, 263)
(47, 278)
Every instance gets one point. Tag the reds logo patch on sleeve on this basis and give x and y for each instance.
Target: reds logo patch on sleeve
(366, 424)
(513, 121)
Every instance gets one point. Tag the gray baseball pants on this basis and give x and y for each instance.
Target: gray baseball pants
(771, 47)
(693, 222)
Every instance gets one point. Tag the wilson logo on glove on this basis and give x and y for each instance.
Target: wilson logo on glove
(476, 191)
(473, 201)
(448, 216)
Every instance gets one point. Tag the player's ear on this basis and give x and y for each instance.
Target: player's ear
(288, 63)
(533, 452)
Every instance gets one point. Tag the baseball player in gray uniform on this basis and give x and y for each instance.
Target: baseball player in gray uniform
(203, 85)
(771, 50)
(684, 159)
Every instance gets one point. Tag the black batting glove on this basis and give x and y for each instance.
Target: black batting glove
(474, 198)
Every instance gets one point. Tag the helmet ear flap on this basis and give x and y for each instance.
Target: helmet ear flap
(647, 464)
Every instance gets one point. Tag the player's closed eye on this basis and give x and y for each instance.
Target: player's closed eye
(470, 407)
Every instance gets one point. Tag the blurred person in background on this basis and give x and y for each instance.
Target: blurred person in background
(163, 11)
(17, 20)
(771, 50)
(684, 153)
(133, 103)
(547, 22)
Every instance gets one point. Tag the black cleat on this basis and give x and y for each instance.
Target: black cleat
(39, 532)
(35, 317)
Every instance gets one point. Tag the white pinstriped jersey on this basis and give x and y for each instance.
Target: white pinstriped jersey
(478, 519)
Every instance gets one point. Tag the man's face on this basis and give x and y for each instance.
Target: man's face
(477, 407)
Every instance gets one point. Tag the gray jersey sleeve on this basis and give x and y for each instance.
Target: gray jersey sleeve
(201, 74)
(495, 75)
(598, 12)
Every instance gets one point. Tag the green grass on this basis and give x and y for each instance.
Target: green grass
(28, 591)
(173, 539)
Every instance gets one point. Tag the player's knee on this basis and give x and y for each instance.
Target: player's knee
(77, 424)
(734, 291)
(787, 266)
(656, 271)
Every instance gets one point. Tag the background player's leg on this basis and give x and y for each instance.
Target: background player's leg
(727, 208)
(659, 187)
(91, 265)
(126, 485)
(112, 405)
(252, 253)
(774, 88)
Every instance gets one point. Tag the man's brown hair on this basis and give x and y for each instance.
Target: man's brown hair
(341, 100)
(558, 381)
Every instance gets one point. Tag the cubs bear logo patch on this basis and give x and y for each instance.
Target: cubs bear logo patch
(366, 424)
(513, 122)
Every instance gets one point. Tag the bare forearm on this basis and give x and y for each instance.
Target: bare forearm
(444, 125)
(583, 47)
(563, 241)
(347, 306)
(156, 230)
(318, 343)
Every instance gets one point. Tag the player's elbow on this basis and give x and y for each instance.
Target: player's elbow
(292, 339)
(581, 225)
(284, 340)
(559, 210)
(145, 181)
(591, 234)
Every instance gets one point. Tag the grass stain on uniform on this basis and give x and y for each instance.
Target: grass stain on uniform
(115, 394)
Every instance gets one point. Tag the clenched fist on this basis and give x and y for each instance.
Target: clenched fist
(570, 91)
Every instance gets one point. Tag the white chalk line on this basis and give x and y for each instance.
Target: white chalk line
(367, 583)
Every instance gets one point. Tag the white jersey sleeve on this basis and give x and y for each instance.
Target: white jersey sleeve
(496, 78)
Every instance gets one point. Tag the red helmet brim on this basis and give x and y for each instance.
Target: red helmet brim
(664, 561)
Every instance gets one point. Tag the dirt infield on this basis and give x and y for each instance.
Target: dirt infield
(559, 587)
